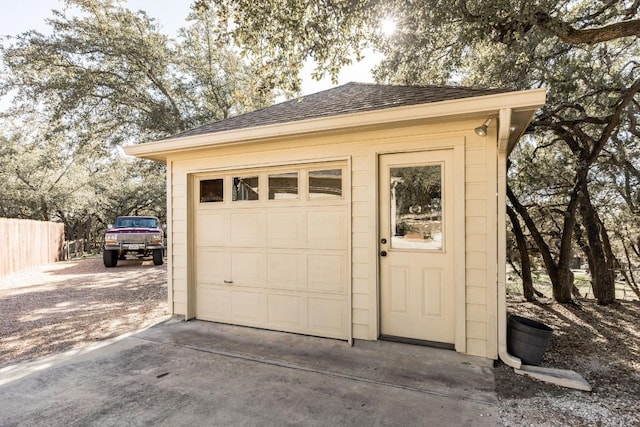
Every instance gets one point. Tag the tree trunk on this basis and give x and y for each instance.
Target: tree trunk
(585, 248)
(614, 262)
(601, 262)
(525, 261)
(559, 272)
(562, 281)
(629, 276)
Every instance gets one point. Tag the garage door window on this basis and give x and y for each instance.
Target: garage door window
(212, 190)
(283, 186)
(245, 188)
(325, 184)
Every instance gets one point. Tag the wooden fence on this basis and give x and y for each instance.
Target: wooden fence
(25, 243)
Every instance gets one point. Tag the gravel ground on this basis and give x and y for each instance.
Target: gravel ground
(69, 304)
(600, 343)
(65, 305)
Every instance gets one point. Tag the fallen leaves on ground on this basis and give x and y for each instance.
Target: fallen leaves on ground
(602, 343)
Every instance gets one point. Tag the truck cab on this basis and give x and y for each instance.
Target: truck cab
(141, 236)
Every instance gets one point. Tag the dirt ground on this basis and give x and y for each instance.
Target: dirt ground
(66, 305)
(69, 304)
(600, 343)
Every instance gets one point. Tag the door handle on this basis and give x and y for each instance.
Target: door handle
(383, 253)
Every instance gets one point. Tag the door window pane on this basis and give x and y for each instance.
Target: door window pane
(283, 186)
(416, 207)
(325, 184)
(212, 190)
(245, 188)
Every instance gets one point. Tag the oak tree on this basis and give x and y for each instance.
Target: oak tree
(584, 52)
(103, 76)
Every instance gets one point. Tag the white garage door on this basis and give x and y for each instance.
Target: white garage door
(271, 248)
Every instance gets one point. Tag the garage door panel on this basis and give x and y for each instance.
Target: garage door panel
(213, 303)
(287, 311)
(248, 268)
(327, 229)
(213, 228)
(327, 272)
(286, 270)
(248, 229)
(218, 262)
(286, 229)
(248, 307)
(327, 317)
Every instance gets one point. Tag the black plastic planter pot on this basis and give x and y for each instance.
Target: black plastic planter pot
(527, 339)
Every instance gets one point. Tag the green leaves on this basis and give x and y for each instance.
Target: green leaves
(102, 77)
(584, 52)
(277, 37)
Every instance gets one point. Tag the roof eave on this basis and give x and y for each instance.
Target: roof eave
(526, 102)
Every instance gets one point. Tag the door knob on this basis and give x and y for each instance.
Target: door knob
(383, 253)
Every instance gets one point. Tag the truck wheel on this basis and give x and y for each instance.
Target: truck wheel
(110, 258)
(157, 257)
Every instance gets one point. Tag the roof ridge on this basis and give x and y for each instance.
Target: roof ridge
(448, 86)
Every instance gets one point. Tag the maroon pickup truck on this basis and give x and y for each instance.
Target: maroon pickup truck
(139, 235)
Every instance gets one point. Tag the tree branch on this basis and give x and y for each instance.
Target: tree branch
(592, 36)
(614, 121)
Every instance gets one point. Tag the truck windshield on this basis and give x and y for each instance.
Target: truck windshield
(136, 223)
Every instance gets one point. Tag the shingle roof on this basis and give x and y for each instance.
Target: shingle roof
(345, 99)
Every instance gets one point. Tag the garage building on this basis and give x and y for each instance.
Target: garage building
(361, 212)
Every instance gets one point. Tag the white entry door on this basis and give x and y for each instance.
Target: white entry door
(417, 237)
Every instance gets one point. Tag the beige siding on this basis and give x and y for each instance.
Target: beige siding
(491, 348)
(476, 347)
(480, 196)
(476, 256)
(363, 238)
(169, 246)
(178, 242)
(361, 150)
(477, 294)
(360, 316)
(476, 331)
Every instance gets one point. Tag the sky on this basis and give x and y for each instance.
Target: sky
(18, 16)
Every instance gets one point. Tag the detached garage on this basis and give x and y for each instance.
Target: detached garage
(361, 212)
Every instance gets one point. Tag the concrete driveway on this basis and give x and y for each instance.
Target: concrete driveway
(207, 374)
